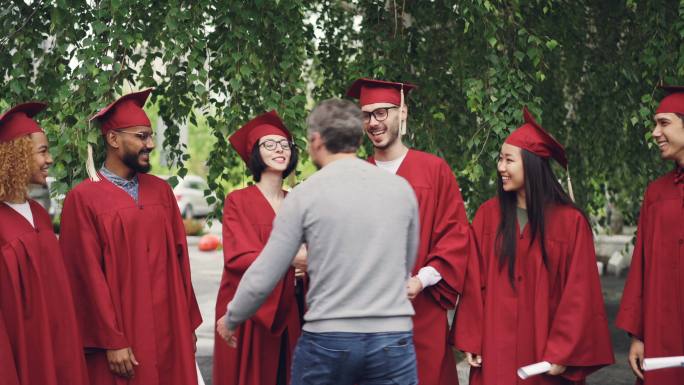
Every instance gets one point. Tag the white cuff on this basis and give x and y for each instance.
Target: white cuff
(428, 276)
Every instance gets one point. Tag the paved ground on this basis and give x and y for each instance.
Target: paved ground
(206, 275)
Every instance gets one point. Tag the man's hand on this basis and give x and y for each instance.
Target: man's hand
(413, 287)
(474, 360)
(636, 357)
(228, 335)
(121, 362)
(299, 262)
(557, 370)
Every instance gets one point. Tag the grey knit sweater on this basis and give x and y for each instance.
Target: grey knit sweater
(361, 227)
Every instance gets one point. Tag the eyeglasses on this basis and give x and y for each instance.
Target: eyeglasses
(379, 114)
(142, 135)
(271, 144)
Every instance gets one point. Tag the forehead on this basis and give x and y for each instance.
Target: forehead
(375, 106)
(138, 129)
(664, 115)
(272, 137)
(509, 149)
(39, 138)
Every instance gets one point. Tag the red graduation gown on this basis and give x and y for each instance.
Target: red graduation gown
(129, 265)
(652, 307)
(274, 329)
(39, 341)
(554, 314)
(443, 245)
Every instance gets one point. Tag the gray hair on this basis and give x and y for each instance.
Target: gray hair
(339, 123)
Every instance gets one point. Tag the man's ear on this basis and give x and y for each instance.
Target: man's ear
(316, 140)
(112, 139)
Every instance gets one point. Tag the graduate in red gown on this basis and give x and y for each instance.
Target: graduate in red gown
(652, 307)
(125, 247)
(439, 274)
(541, 291)
(39, 340)
(265, 342)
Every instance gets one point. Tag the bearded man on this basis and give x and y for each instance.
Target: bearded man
(125, 247)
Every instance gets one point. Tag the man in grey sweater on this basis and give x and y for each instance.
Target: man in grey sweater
(361, 228)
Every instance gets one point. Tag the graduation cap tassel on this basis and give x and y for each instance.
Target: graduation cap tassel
(402, 122)
(90, 163)
(572, 194)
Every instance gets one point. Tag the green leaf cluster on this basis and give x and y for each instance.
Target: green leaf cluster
(586, 69)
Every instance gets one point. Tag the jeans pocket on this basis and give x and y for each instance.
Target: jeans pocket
(323, 363)
(398, 348)
(400, 362)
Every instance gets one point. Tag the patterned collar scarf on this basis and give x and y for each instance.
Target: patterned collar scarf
(129, 186)
(679, 175)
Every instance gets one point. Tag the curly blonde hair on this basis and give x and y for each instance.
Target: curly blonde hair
(16, 161)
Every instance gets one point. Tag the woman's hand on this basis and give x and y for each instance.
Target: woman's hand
(474, 360)
(557, 370)
(636, 357)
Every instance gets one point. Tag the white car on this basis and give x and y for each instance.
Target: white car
(189, 194)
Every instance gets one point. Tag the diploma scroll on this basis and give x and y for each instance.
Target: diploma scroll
(534, 369)
(200, 379)
(663, 362)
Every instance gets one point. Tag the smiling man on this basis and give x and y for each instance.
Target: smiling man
(652, 307)
(438, 276)
(124, 244)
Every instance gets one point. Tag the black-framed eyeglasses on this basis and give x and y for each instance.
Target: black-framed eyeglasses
(379, 114)
(142, 135)
(272, 144)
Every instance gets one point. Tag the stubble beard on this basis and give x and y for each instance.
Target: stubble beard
(130, 159)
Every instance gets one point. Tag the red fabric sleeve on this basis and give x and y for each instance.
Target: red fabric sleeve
(448, 253)
(579, 336)
(83, 258)
(181, 242)
(630, 317)
(8, 367)
(468, 327)
(241, 246)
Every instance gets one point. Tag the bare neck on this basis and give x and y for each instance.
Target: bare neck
(522, 203)
(18, 201)
(271, 185)
(115, 165)
(394, 151)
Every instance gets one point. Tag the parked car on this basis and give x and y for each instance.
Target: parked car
(190, 197)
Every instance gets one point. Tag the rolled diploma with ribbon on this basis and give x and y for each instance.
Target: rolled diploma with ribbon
(534, 369)
(663, 362)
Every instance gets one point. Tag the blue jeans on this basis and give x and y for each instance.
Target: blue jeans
(355, 358)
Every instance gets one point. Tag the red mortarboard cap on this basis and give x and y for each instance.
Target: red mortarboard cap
(124, 112)
(370, 91)
(532, 137)
(17, 122)
(673, 102)
(248, 135)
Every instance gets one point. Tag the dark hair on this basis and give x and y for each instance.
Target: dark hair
(542, 189)
(257, 166)
(340, 124)
(680, 116)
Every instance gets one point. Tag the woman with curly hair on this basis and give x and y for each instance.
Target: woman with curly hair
(39, 340)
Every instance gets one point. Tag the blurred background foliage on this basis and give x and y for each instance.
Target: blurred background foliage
(588, 70)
